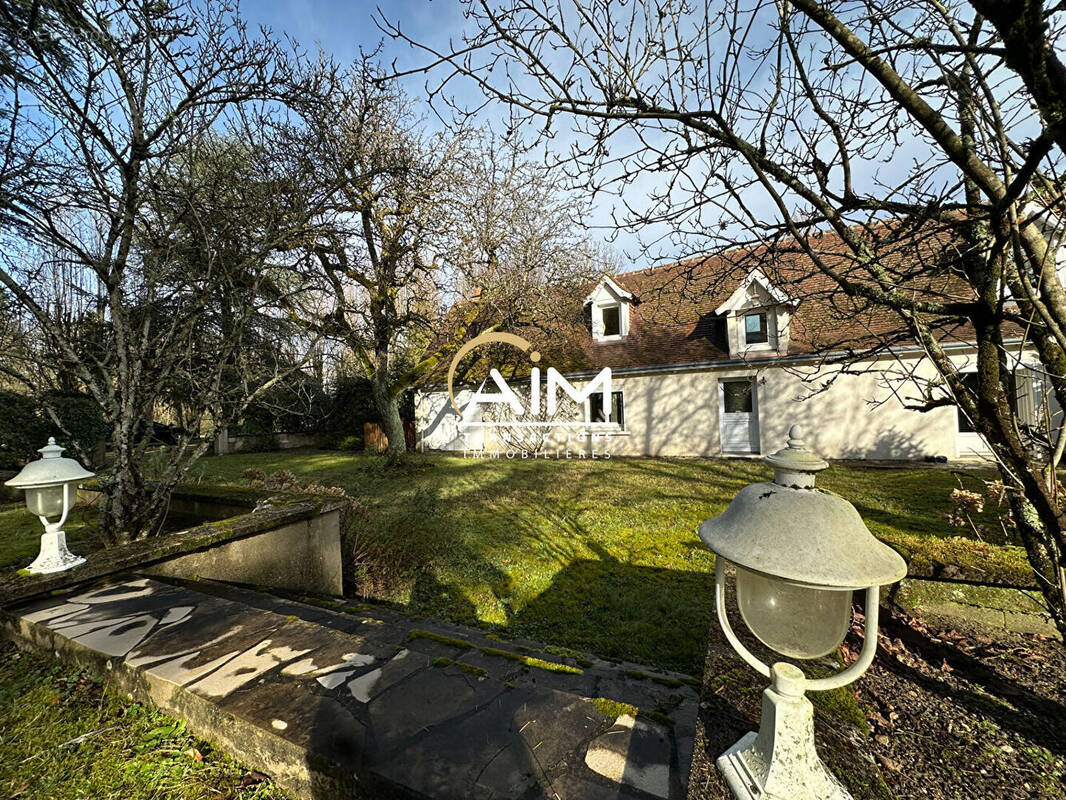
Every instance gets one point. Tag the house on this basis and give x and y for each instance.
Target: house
(720, 355)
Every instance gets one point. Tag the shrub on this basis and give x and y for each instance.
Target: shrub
(22, 431)
(80, 415)
(296, 405)
(351, 404)
(25, 426)
(350, 442)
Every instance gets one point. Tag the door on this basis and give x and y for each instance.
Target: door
(738, 412)
(968, 442)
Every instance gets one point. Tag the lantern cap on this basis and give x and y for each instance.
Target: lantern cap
(790, 529)
(795, 465)
(51, 469)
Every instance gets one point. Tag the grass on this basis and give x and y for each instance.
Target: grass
(63, 737)
(21, 534)
(596, 556)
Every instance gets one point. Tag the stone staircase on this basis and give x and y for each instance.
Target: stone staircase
(341, 700)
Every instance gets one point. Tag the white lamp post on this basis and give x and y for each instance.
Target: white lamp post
(800, 552)
(51, 485)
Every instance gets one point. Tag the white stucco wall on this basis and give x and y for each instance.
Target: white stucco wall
(677, 414)
(436, 423)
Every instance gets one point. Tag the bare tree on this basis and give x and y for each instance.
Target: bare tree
(371, 261)
(116, 263)
(906, 132)
(428, 239)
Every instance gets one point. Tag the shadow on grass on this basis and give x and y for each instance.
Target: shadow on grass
(570, 589)
(622, 612)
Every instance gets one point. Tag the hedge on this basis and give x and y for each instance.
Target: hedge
(25, 426)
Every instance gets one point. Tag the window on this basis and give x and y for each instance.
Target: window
(618, 409)
(736, 397)
(607, 319)
(755, 328)
(612, 321)
(969, 379)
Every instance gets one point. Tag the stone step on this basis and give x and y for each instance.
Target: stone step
(364, 701)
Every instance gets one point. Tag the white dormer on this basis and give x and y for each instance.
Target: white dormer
(1051, 226)
(757, 316)
(609, 306)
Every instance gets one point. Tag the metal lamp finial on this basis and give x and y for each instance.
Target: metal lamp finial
(794, 465)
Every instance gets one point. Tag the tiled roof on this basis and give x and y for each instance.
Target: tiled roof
(673, 320)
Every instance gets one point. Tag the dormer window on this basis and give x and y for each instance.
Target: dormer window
(612, 321)
(755, 330)
(757, 317)
(607, 310)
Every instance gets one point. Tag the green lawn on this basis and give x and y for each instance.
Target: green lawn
(601, 556)
(20, 534)
(63, 737)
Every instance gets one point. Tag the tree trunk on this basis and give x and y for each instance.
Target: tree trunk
(1045, 557)
(388, 407)
(129, 509)
(123, 496)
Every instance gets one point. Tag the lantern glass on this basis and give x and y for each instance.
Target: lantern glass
(45, 501)
(796, 621)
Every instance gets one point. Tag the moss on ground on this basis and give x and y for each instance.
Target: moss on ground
(64, 737)
(469, 669)
(613, 708)
(565, 652)
(448, 641)
(843, 704)
(531, 661)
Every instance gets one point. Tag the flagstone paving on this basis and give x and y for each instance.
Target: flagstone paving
(364, 700)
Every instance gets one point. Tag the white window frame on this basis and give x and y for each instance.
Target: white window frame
(608, 294)
(597, 320)
(614, 390)
(752, 312)
(738, 320)
(741, 303)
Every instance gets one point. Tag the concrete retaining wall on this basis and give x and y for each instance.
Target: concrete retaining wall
(293, 543)
(301, 556)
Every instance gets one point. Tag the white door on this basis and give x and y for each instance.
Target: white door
(1026, 397)
(738, 412)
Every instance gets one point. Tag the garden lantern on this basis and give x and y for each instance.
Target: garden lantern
(799, 552)
(51, 485)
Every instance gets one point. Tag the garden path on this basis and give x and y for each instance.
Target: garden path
(364, 701)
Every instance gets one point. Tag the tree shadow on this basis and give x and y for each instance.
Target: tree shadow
(1013, 705)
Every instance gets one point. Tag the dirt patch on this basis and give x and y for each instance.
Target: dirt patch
(950, 713)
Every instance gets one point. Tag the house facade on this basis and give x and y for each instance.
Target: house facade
(717, 357)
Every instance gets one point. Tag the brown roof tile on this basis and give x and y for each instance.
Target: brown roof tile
(673, 319)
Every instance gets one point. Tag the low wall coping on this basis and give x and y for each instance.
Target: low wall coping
(20, 586)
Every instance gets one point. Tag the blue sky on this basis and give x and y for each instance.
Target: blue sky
(343, 27)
